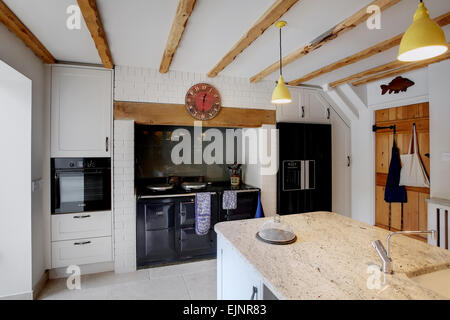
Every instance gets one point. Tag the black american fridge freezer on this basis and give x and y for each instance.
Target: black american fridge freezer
(304, 174)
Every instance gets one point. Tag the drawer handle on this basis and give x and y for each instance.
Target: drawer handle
(81, 243)
(254, 293)
(159, 213)
(82, 216)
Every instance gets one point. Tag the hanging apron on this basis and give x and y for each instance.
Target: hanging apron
(394, 192)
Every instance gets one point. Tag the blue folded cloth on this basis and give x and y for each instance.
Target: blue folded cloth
(202, 213)
(259, 209)
(229, 200)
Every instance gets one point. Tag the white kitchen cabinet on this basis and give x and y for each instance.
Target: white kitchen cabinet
(81, 109)
(236, 279)
(81, 251)
(306, 106)
(81, 225)
(438, 214)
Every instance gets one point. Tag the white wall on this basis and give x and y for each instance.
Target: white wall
(148, 85)
(18, 56)
(439, 86)
(416, 94)
(15, 186)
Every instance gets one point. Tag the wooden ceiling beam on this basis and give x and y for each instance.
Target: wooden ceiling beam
(406, 68)
(442, 20)
(275, 12)
(184, 11)
(385, 67)
(346, 25)
(94, 23)
(13, 23)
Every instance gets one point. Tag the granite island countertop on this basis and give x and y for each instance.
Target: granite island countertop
(331, 259)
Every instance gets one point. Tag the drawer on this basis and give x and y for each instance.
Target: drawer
(81, 251)
(81, 225)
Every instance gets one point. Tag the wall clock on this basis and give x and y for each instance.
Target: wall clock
(203, 101)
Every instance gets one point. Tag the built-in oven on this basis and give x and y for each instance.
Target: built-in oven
(80, 185)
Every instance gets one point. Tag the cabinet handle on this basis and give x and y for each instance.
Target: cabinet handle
(328, 114)
(303, 111)
(81, 243)
(82, 216)
(107, 144)
(254, 293)
(349, 161)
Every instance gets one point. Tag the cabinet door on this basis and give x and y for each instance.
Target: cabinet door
(341, 165)
(316, 110)
(191, 244)
(81, 104)
(236, 279)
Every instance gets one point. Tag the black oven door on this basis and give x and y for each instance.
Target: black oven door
(81, 190)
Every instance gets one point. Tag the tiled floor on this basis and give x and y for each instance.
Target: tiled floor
(194, 280)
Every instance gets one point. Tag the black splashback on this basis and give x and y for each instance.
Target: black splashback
(153, 147)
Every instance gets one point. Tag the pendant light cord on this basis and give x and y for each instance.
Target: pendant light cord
(281, 58)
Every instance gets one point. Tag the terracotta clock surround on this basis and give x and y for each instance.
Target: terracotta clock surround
(203, 101)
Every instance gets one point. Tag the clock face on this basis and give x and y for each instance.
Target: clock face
(203, 101)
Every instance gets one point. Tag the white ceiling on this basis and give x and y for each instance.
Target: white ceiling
(47, 20)
(137, 31)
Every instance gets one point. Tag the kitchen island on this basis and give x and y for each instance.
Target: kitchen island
(333, 258)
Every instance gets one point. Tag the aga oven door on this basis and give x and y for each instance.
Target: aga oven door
(81, 190)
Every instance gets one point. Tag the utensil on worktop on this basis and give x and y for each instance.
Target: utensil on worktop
(160, 187)
(276, 232)
(194, 185)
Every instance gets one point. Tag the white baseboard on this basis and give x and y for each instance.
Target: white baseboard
(19, 296)
(85, 269)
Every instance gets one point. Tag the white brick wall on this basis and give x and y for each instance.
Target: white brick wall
(148, 85)
(124, 198)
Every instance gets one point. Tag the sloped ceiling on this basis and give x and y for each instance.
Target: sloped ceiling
(137, 32)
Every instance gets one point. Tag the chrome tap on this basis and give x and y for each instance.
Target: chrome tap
(385, 253)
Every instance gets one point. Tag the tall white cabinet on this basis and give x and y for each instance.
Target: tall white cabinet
(81, 110)
(81, 127)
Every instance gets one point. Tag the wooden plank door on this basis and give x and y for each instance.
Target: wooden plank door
(415, 210)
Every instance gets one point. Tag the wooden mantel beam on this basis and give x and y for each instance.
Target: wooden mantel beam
(442, 20)
(94, 23)
(13, 23)
(346, 25)
(406, 68)
(184, 11)
(276, 10)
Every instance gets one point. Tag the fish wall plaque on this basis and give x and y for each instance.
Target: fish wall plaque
(397, 85)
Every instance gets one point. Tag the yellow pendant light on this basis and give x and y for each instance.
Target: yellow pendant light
(281, 94)
(424, 39)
